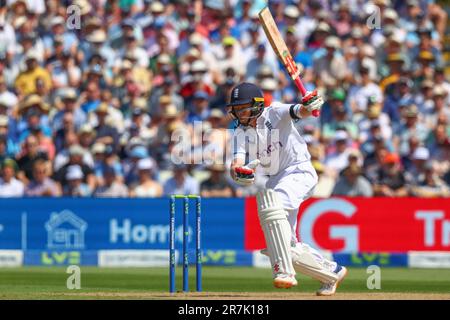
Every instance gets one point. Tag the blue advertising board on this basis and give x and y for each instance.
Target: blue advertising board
(382, 259)
(96, 224)
(135, 232)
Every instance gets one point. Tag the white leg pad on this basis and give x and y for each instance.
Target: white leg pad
(277, 232)
(305, 262)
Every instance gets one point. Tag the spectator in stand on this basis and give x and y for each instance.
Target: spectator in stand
(147, 187)
(90, 98)
(425, 53)
(429, 185)
(111, 187)
(181, 182)
(138, 126)
(400, 95)
(69, 39)
(10, 186)
(439, 79)
(106, 133)
(200, 110)
(231, 57)
(11, 147)
(75, 186)
(171, 121)
(446, 178)
(215, 141)
(161, 66)
(419, 159)
(41, 184)
(360, 96)
(343, 22)
(106, 158)
(374, 122)
(166, 90)
(352, 183)
(424, 98)
(45, 143)
(130, 166)
(196, 82)
(338, 160)
(325, 185)
(25, 83)
(330, 67)
(29, 155)
(8, 99)
(33, 112)
(269, 87)
(131, 46)
(113, 160)
(257, 61)
(62, 158)
(390, 181)
(410, 126)
(76, 153)
(392, 70)
(339, 117)
(69, 106)
(67, 128)
(216, 185)
(438, 143)
(3, 148)
(440, 108)
(86, 136)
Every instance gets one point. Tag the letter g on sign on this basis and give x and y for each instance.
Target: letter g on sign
(350, 234)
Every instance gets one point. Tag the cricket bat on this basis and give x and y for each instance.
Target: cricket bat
(280, 48)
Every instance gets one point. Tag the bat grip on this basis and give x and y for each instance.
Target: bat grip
(302, 89)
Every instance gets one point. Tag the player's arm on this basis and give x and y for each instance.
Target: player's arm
(239, 172)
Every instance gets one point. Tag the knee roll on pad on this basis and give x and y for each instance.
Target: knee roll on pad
(269, 206)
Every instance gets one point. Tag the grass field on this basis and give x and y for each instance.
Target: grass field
(218, 282)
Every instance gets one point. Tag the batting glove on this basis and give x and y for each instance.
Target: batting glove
(312, 101)
(245, 175)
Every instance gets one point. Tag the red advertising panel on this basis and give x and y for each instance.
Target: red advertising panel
(365, 225)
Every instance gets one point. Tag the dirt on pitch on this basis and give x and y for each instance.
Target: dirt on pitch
(253, 296)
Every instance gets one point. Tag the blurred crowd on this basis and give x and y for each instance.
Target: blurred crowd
(91, 92)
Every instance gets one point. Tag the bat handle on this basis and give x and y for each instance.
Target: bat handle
(300, 86)
(302, 89)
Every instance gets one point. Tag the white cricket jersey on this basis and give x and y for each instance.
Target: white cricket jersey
(275, 142)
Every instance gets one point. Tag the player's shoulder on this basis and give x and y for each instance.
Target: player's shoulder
(276, 105)
(277, 109)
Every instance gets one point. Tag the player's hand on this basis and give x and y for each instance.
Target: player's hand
(312, 102)
(245, 175)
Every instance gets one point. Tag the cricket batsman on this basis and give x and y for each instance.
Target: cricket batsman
(284, 158)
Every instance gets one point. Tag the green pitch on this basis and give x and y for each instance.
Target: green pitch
(50, 282)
